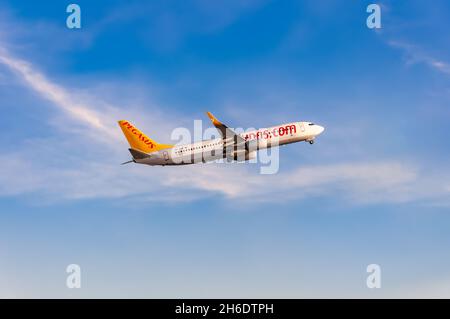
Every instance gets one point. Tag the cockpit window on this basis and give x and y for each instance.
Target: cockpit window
(311, 124)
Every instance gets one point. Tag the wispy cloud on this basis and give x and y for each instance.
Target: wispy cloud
(56, 94)
(414, 55)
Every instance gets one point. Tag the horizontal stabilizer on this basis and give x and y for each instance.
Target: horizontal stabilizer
(128, 162)
(138, 154)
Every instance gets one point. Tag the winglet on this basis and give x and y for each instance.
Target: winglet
(225, 131)
(215, 121)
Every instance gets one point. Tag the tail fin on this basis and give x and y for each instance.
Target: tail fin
(138, 140)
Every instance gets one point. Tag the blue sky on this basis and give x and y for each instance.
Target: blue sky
(373, 189)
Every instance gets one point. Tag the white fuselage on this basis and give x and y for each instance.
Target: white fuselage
(214, 149)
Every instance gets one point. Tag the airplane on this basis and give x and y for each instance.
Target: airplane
(230, 146)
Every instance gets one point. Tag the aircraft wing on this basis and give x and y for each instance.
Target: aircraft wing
(228, 134)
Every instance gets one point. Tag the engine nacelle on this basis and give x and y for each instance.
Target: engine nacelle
(241, 156)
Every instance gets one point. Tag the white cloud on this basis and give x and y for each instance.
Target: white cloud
(415, 55)
(389, 182)
(60, 97)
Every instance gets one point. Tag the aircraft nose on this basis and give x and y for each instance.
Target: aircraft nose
(320, 129)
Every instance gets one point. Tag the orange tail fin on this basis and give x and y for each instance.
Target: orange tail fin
(138, 140)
